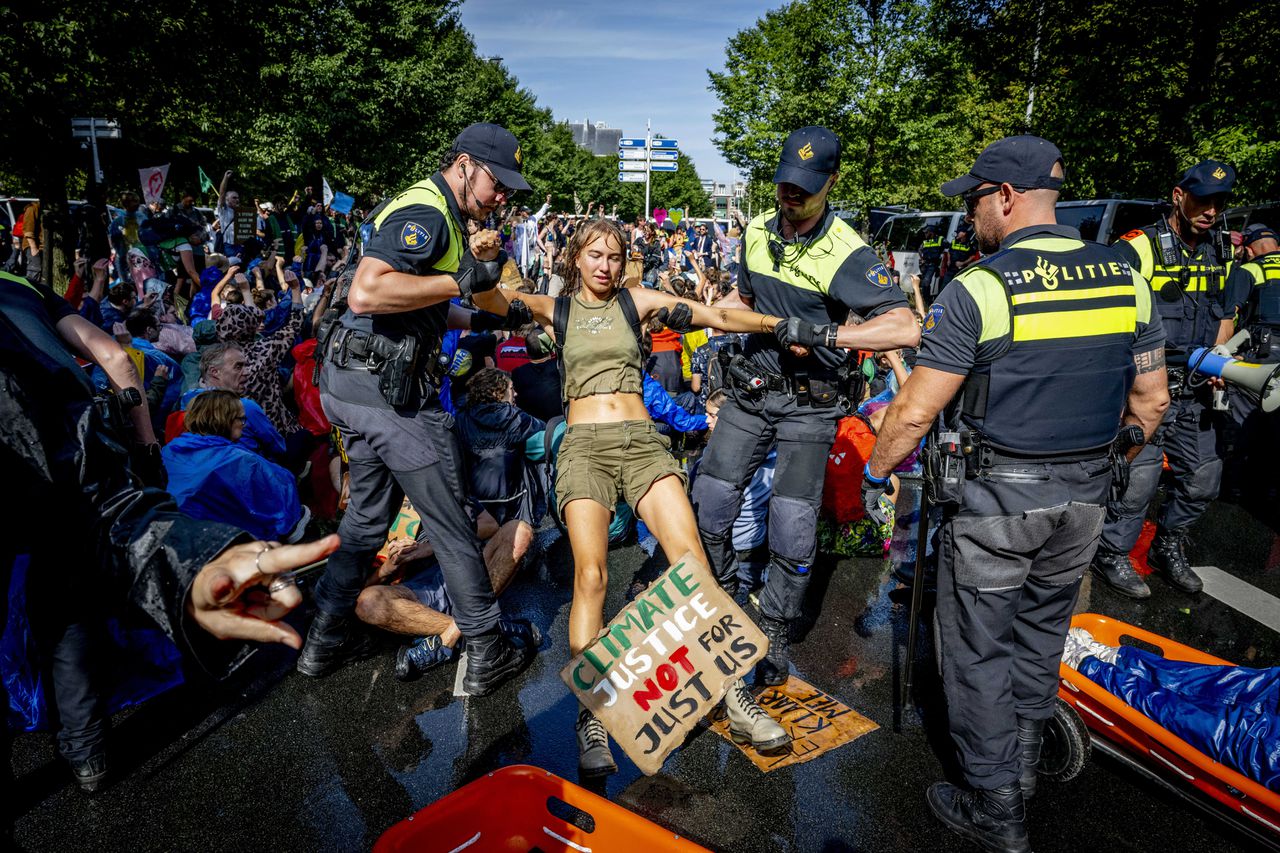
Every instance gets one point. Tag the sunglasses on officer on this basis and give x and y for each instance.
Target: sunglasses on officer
(970, 198)
(498, 187)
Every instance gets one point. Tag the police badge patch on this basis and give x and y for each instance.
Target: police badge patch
(414, 237)
(932, 319)
(879, 276)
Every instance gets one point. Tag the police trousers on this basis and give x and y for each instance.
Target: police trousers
(395, 453)
(746, 428)
(1010, 561)
(1188, 436)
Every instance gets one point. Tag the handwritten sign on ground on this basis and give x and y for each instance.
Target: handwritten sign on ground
(665, 661)
(816, 721)
(404, 527)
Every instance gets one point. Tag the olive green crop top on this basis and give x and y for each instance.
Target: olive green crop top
(600, 351)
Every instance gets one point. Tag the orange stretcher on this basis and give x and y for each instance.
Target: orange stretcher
(1134, 739)
(523, 808)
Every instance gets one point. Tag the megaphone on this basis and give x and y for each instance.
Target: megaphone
(1261, 379)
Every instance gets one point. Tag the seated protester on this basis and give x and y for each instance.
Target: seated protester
(121, 299)
(419, 606)
(224, 366)
(144, 329)
(493, 433)
(265, 353)
(204, 333)
(202, 301)
(214, 477)
(1229, 713)
(537, 383)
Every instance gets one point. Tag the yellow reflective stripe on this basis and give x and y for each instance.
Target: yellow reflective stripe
(1050, 244)
(1120, 320)
(987, 289)
(1146, 256)
(17, 279)
(1142, 296)
(1064, 295)
(427, 193)
(818, 265)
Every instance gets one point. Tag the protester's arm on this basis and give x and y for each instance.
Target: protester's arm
(93, 344)
(649, 303)
(894, 357)
(910, 415)
(663, 409)
(222, 188)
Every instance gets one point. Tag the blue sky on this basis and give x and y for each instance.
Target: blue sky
(619, 63)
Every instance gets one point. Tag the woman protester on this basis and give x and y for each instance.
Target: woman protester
(612, 450)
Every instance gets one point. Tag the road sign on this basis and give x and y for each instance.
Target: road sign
(665, 156)
(631, 166)
(665, 143)
(632, 177)
(663, 167)
(630, 143)
(84, 128)
(631, 153)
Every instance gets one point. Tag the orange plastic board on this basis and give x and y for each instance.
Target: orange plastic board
(521, 808)
(665, 661)
(816, 721)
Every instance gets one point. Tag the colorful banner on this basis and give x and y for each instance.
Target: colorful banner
(153, 182)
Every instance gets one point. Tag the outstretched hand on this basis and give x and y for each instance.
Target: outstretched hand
(230, 599)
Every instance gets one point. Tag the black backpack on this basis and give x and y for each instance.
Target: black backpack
(158, 229)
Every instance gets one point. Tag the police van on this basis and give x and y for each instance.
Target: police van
(1104, 220)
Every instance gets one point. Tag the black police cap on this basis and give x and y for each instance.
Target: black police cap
(1208, 177)
(1256, 232)
(1025, 162)
(810, 156)
(498, 149)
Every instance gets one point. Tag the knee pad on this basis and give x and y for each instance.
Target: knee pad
(793, 530)
(716, 503)
(784, 588)
(1203, 483)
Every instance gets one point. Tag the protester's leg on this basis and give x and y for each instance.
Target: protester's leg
(665, 510)
(588, 524)
(396, 609)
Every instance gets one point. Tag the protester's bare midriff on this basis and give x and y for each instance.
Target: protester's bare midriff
(607, 409)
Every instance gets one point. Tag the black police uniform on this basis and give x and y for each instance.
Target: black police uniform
(1043, 400)
(931, 249)
(409, 449)
(133, 543)
(960, 249)
(818, 278)
(1255, 285)
(1190, 297)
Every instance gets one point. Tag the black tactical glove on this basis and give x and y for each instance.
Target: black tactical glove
(148, 466)
(796, 332)
(871, 494)
(475, 276)
(678, 319)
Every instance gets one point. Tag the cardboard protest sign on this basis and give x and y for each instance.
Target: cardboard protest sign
(153, 179)
(665, 661)
(404, 527)
(816, 721)
(246, 226)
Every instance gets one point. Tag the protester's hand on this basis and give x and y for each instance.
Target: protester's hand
(227, 174)
(872, 493)
(241, 279)
(150, 299)
(485, 245)
(161, 371)
(230, 598)
(233, 270)
(81, 266)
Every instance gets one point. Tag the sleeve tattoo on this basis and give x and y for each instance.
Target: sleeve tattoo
(1149, 361)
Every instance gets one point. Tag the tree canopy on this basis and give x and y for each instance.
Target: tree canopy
(1132, 92)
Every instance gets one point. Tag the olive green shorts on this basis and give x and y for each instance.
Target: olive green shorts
(606, 461)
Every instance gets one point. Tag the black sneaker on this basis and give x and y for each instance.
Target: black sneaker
(1118, 573)
(90, 773)
(1168, 557)
(423, 654)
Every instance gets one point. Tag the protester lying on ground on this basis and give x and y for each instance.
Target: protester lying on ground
(407, 596)
(214, 477)
(1230, 713)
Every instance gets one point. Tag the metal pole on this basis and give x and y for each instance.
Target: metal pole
(648, 140)
(93, 142)
(917, 592)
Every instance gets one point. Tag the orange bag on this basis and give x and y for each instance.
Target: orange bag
(842, 489)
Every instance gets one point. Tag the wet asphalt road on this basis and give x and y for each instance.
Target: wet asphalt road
(273, 760)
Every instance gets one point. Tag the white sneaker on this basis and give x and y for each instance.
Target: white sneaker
(1080, 644)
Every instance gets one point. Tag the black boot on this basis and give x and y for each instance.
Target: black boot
(996, 820)
(1030, 739)
(1119, 574)
(772, 669)
(492, 658)
(1168, 557)
(333, 640)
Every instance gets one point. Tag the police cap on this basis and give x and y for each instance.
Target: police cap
(810, 156)
(1208, 177)
(1025, 162)
(498, 149)
(1256, 232)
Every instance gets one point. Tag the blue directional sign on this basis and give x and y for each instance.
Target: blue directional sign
(662, 167)
(664, 143)
(632, 177)
(664, 156)
(630, 143)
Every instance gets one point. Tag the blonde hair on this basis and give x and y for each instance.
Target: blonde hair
(583, 237)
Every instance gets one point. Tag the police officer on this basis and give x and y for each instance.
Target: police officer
(379, 390)
(962, 252)
(1255, 285)
(1051, 342)
(799, 261)
(1181, 257)
(932, 263)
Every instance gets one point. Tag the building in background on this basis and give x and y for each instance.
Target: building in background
(725, 196)
(600, 139)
